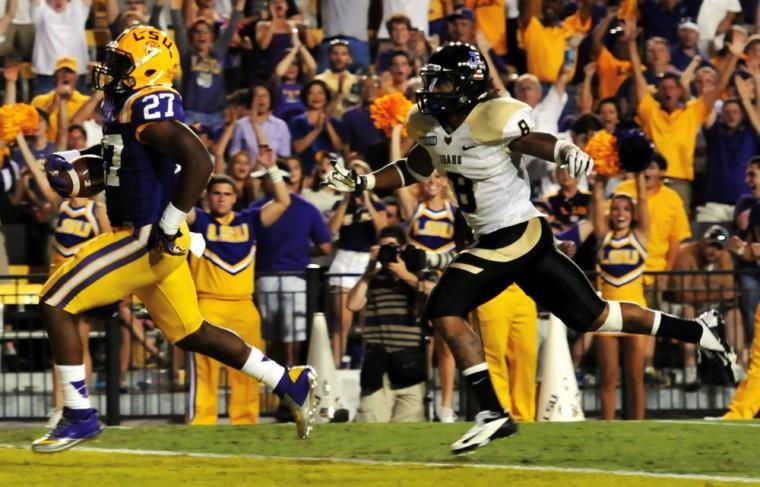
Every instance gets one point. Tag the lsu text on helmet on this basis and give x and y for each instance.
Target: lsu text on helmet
(141, 56)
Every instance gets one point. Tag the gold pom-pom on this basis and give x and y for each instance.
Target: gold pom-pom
(9, 126)
(390, 110)
(27, 118)
(602, 146)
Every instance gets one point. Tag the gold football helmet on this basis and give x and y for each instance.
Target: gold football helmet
(141, 56)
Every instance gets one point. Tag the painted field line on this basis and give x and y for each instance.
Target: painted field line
(704, 422)
(361, 461)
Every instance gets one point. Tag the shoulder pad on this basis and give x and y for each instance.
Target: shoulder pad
(152, 104)
(418, 124)
(494, 121)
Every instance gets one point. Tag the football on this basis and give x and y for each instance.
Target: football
(87, 178)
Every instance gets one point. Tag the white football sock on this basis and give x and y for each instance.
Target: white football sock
(74, 385)
(261, 367)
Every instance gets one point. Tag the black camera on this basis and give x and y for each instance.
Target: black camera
(413, 257)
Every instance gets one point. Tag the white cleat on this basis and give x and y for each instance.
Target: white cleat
(489, 425)
(718, 353)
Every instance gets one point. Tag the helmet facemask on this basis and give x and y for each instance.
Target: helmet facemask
(445, 91)
(114, 73)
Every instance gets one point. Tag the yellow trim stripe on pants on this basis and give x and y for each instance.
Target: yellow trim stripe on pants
(243, 318)
(746, 401)
(510, 340)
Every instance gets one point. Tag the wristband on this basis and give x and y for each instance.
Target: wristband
(369, 181)
(561, 144)
(171, 220)
(275, 174)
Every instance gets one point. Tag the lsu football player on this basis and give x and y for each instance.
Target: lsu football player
(156, 169)
(477, 140)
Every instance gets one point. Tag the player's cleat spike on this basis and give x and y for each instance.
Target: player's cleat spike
(489, 426)
(301, 398)
(75, 426)
(712, 322)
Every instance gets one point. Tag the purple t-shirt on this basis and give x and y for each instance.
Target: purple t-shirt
(359, 132)
(288, 102)
(727, 154)
(300, 127)
(284, 246)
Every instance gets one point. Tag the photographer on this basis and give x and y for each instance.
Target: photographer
(394, 369)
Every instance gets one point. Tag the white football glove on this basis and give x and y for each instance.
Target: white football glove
(344, 180)
(571, 157)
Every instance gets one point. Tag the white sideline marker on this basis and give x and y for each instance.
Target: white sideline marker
(359, 461)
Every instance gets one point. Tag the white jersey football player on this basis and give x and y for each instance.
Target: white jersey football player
(477, 141)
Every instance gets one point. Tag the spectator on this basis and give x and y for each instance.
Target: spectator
(394, 368)
(714, 19)
(134, 14)
(438, 227)
(58, 33)
(355, 221)
(295, 69)
(399, 26)
(240, 171)
(223, 277)
(40, 144)
(346, 19)
(203, 81)
(317, 194)
(697, 292)
(731, 142)
(19, 31)
(658, 60)
(260, 127)
(417, 10)
(463, 29)
(750, 281)
(397, 79)
(337, 77)
(508, 327)
(752, 56)
(545, 39)
(76, 138)
(624, 235)
(569, 205)
(282, 254)
(608, 111)
(671, 124)
(669, 226)
(315, 130)
(360, 134)
(64, 92)
(296, 180)
(274, 36)
(661, 18)
(612, 65)
(393, 210)
(687, 47)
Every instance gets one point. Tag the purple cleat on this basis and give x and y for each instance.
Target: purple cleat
(298, 388)
(75, 426)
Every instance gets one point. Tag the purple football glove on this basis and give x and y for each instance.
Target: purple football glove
(54, 166)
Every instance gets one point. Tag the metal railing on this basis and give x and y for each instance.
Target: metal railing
(153, 381)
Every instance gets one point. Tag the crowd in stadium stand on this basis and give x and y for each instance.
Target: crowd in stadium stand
(300, 78)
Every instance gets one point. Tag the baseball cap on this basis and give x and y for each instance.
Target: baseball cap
(716, 235)
(66, 62)
(688, 23)
(462, 13)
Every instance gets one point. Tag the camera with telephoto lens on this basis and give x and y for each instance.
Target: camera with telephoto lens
(413, 257)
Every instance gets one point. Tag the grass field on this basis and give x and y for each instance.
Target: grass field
(590, 453)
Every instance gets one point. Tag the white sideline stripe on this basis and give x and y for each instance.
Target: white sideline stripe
(717, 422)
(361, 461)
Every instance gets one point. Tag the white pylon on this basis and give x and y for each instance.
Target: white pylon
(559, 399)
(320, 357)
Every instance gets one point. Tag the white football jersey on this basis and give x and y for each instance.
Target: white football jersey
(489, 181)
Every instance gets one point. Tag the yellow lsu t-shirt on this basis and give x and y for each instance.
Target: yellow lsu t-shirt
(668, 223)
(45, 101)
(611, 72)
(545, 49)
(674, 134)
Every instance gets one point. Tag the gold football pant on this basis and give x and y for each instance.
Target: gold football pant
(746, 401)
(121, 262)
(509, 333)
(243, 318)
